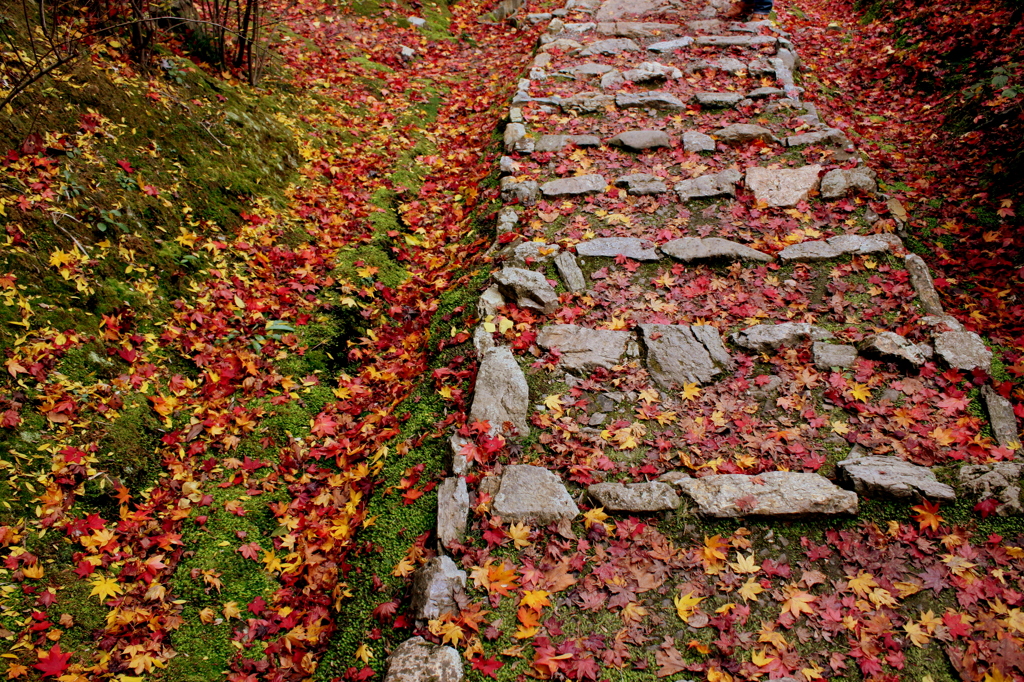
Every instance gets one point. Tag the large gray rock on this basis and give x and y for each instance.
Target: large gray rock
(611, 247)
(1000, 480)
(681, 354)
(588, 102)
(890, 477)
(761, 93)
(782, 187)
(490, 300)
(829, 355)
(528, 289)
(417, 660)
(652, 496)
(921, 280)
(590, 69)
(574, 186)
(570, 272)
(719, 99)
(963, 350)
(807, 252)
(525, 192)
(774, 493)
(508, 218)
(583, 348)
(893, 347)
(639, 140)
(671, 45)
(689, 249)
(452, 510)
(709, 186)
(501, 394)
(838, 183)
(1000, 415)
(435, 588)
(743, 132)
(736, 41)
(585, 140)
(532, 494)
(855, 244)
(642, 184)
(516, 139)
(698, 142)
(612, 80)
(532, 253)
(655, 99)
(610, 46)
(765, 337)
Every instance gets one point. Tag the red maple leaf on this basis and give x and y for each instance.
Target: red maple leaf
(488, 666)
(987, 507)
(125, 165)
(54, 662)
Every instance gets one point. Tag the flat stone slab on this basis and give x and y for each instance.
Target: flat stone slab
(671, 45)
(698, 142)
(529, 289)
(501, 393)
(534, 252)
(642, 184)
(689, 249)
(857, 245)
(963, 350)
(575, 186)
(611, 247)
(829, 355)
(807, 252)
(591, 69)
(872, 475)
(709, 186)
(783, 187)
(532, 494)
(610, 47)
(682, 354)
(635, 29)
(639, 140)
(588, 102)
(736, 41)
(765, 337)
(1000, 415)
(581, 347)
(891, 346)
(435, 588)
(417, 660)
(551, 143)
(719, 99)
(655, 99)
(774, 493)
(452, 510)
(743, 132)
(832, 136)
(652, 496)
(651, 71)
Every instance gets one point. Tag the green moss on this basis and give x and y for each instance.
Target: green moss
(127, 451)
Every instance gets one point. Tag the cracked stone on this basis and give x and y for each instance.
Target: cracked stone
(964, 350)
(698, 142)
(891, 346)
(830, 136)
(570, 271)
(611, 46)
(651, 496)
(921, 280)
(580, 184)
(649, 71)
(783, 187)
(525, 192)
(551, 143)
(837, 183)
(681, 354)
(583, 348)
(689, 249)
(765, 337)
(532, 494)
(708, 186)
(773, 493)
(531, 253)
(1002, 419)
(611, 247)
(892, 477)
(829, 355)
(642, 184)
(1000, 481)
(806, 252)
(855, 244)
(671, 45)
(655, 99)
(528, 289)
(436, 587)
(501, 394)
(743, 132)
(417, 660)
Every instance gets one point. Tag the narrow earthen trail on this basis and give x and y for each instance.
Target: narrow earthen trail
(720, 408)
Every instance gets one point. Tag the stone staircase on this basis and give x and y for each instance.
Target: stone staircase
(663, 246)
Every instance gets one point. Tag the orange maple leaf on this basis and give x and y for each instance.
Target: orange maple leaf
(927, 515)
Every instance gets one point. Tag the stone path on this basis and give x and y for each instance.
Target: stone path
(702, 308)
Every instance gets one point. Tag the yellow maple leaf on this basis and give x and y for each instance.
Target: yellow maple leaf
(554, 403)
(691, 391)
(943, 437)
(712, 550)
(745, 564)
(231, 610)
(105, 587)
(363, 653)
(535, 599)
(519, 533)
(633, 613)
(593, 516)
(686, 604)
(860, 392)
(917, 635)
(797, 601)
(840, 427)
(862, 584)
(750, 589)
(761, 658)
